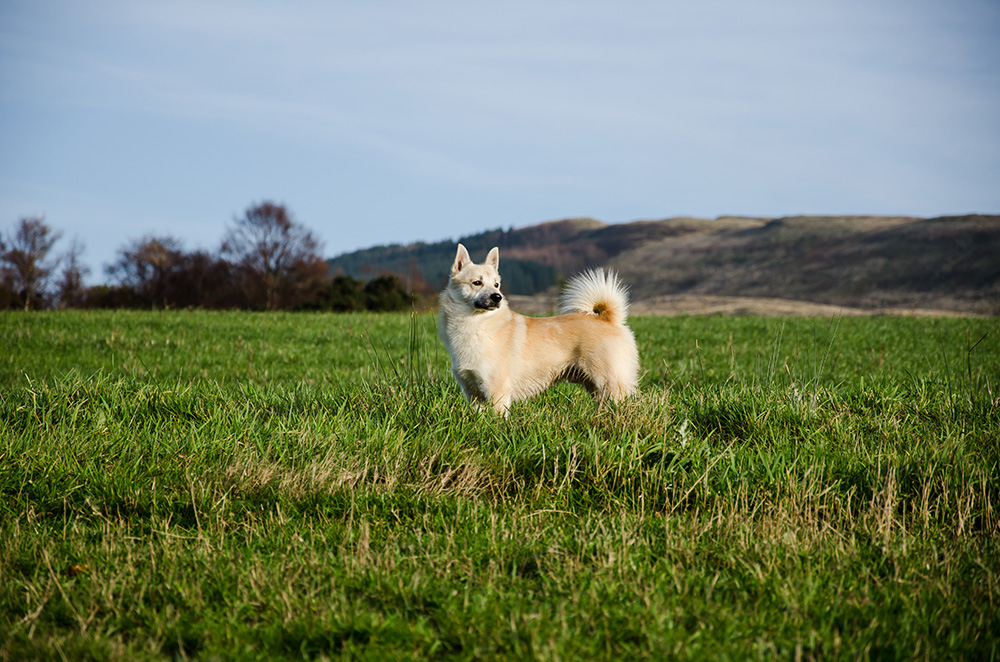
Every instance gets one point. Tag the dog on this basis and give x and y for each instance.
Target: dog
(499, 356)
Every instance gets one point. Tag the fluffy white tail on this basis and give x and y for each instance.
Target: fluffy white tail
(597, 293)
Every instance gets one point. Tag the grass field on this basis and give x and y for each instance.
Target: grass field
(249, 486)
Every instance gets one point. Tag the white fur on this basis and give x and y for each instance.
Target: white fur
(593, 287)
(499, 356)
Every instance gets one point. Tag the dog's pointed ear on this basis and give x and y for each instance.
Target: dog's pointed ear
(493, 258)
(461, 259)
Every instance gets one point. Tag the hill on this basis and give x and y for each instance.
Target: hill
(867, 263)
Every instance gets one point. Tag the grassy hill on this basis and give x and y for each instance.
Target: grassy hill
(866, 262)
(949, 263)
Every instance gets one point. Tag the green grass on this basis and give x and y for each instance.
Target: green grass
(240, 486)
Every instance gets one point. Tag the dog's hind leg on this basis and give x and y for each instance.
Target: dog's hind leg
(614, 390)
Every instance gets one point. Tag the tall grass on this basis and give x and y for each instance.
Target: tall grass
(240, 486)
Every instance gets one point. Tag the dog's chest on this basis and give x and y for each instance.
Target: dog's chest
(478, 342)
(471, 345)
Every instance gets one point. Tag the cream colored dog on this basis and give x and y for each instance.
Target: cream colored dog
(499, 356)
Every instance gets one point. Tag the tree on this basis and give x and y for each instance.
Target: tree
(206, 281)
(27, 256)
(278, 259)
(70, 290)
(7, 295)
(146, 266)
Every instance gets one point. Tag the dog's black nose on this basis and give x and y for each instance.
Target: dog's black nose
(496, 297)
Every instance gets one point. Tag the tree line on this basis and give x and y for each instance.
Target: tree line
(266, 261)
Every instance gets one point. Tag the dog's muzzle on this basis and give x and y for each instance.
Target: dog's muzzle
(489, 302)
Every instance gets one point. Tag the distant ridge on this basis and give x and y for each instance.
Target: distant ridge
(949, 263)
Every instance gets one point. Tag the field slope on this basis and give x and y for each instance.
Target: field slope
(877, 264)
(246, 486)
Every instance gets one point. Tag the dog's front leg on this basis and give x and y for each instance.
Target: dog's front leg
(501, 397)
(472, 386)
(501, 405)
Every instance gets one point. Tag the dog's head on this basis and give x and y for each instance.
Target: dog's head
(476, 285)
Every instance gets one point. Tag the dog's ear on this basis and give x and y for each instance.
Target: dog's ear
(493, 258)
(461, 259)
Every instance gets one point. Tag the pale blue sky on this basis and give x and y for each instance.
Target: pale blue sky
(379, 122)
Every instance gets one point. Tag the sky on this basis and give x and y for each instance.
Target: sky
(392, 122)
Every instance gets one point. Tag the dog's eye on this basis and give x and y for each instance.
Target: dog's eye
(496, 285)
(477, 283)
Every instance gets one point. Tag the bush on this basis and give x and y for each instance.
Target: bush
(387, 293)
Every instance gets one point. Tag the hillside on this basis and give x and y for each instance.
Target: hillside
(868, 263)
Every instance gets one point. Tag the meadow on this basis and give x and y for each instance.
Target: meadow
(229, 486)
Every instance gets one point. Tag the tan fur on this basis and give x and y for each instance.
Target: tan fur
(500, 357)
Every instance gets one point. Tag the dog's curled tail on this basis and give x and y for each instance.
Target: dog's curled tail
(598, 293)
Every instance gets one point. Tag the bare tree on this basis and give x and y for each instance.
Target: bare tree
(70, 289)
(28, 255)
(7, 294)
(145, 265)
(204, 280)
(278, 258)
